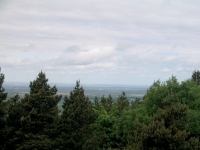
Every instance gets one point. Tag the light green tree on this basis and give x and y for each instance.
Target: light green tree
(167, 129)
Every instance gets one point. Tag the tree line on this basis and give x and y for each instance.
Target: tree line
(167, 118)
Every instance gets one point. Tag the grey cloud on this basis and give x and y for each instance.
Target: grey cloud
(123, 46)
(72, 48)
(84, 57)
(142, 38)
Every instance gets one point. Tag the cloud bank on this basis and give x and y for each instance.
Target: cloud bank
(101, 42)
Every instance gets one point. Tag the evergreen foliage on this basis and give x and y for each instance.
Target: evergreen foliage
(196, 77)
(167, 118)
(122, 102)
(40, 114)
(76, 119)
(3, 96)
(107, 102)
(13, 133)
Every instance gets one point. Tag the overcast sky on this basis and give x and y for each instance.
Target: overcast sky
(99, 41)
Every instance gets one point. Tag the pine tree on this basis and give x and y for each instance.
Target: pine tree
(40, 115)
(196, 76)
(76, 119)
(3, 97)
(12, 132)
(122, 102)
(96, 103)
(107, 102)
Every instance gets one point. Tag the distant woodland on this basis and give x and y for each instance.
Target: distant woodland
(167, 118)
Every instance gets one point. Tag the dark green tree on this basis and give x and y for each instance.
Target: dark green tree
(196, 76)
(122, 102)
(135, 102)
(76, 119)
(96, 102)
(12, 131)
(3, 97)
(40, 115)
(107, 102)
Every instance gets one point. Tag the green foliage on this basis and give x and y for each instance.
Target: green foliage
(158, 91)
(76, 119)
(122, 102)
(188, 92)
(114, 129)
(126, 123)
(134, 103)
(12, 131)
(14, 111)
(196, 77)
(167, 130)
(36, 142)
(40, 113)
(105, 132)
(194, 123)
(107, 128)
(167, 118)
(190, 95)
(3, 96)
(107, 102)
(96, 102)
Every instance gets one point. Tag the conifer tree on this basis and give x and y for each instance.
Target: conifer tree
(107, 102)
(96, 102)
(40, 115)
(76, 119)
(12, 131)
(196, 76)
(122, 102)
(3, 97)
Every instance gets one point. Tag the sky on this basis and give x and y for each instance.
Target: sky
(129, 42)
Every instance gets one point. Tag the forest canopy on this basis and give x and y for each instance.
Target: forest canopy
(168, 117)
